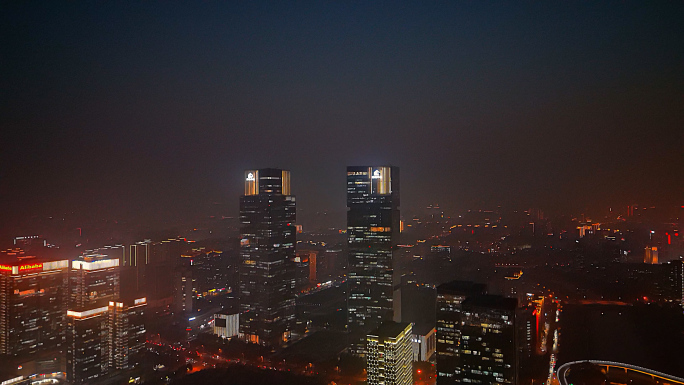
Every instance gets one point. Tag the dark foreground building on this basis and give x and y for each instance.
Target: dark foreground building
(476, 336)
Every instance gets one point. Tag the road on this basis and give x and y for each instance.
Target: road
(634, 373)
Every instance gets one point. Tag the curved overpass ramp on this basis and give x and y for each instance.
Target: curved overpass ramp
(657, 377)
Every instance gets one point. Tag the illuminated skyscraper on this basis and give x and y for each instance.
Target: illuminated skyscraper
(390, 355)
(103, 337)
(93, 279)
(87, 345)
(267, 252)
(372, 230)
(125, 332)
(33, 302)
(136, 264)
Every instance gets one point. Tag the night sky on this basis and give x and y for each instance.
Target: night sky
(152, 110)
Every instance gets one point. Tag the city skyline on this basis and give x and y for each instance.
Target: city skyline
(210, 193)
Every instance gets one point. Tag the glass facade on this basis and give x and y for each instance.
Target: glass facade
(476, 336)
(267, 252)
(372, 230)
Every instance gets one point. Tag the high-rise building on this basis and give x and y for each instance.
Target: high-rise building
(476, 336)
(152, 265)
(103, 337)
(87, 348)
(372, 230)
(450, 297)
(93, 279)
(389, 355)
(125, 331)
(136, 264)
(488, 352)
(267, 252)
(33, 293)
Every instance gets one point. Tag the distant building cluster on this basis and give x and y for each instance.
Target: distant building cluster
(51, 303)
(368, 290)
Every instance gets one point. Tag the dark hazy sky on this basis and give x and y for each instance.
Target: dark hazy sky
(154, 109)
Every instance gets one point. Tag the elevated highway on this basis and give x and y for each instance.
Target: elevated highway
(618, 373)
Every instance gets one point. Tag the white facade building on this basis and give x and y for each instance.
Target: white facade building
(227, 325)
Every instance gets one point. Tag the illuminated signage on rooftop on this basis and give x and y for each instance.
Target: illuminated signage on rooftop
(32, 266)
(22, 268)
(251, 185)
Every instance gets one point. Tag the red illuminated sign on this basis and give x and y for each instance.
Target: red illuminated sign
(22, 268)
(32, 266)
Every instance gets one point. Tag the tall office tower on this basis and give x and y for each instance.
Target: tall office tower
(136, 262)
(372, 230)
(165, 259)
(450, 297)
(476, 340)
(87, 347)
(267, 252)
(488, 340)
(93, 279)
(390, 355)
(33, 293)
(149, 265)
(103, 337)
(125, 332)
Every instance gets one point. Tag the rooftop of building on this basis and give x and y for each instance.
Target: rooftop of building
(390, 329)
(422, 330)
(19, 257)
(462, 287)
(491, 302)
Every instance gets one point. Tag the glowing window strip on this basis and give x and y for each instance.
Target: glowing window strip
(87, 313)
(95, 265)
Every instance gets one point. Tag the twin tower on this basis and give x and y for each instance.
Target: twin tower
(267, 252)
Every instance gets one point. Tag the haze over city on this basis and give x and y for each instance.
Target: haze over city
(148, 111)
(326, 193)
